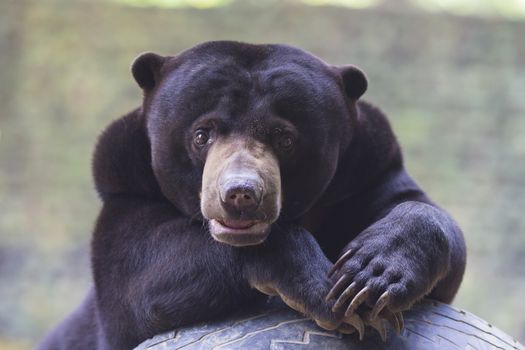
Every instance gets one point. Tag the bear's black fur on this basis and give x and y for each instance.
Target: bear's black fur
(344, 188)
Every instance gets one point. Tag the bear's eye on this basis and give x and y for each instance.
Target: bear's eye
(284, 140)
(201, 137)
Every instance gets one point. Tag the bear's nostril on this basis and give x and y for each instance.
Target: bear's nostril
(241, 197)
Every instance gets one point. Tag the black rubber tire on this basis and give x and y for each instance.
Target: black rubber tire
(429, 325)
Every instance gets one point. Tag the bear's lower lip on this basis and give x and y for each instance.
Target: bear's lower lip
(243, 234)
(237, 224)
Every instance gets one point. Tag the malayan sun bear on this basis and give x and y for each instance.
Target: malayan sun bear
(255, 170)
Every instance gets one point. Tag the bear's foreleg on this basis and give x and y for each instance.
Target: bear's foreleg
(413, 251)
(292, 265)
(156, 270)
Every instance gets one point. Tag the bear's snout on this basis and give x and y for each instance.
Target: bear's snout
(241, 191)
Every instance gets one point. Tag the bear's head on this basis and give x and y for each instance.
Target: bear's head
(242, 135)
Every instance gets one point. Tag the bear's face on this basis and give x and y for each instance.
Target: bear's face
(242, 135)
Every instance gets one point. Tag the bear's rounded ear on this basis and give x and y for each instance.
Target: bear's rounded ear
(354, 81)
(146, 69)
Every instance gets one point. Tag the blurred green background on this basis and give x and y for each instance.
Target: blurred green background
(450, 74)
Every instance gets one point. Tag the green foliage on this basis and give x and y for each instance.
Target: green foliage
(489, 8)
(453, 87)
(176, 3)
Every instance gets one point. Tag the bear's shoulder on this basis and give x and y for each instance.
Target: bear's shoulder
(122, 159)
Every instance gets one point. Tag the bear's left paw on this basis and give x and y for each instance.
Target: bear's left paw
(317, 309)
(369, 289)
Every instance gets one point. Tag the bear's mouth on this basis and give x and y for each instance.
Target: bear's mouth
(239, 232)
(237, 224)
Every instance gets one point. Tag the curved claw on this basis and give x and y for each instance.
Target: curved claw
(338, 286)
(392, 319)
(347, 293)
(383, 301)
(378, 325)
(356, 321)
(347, 329)
(400, 320)
(329, 326)
(340, 262)
(357, 301)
